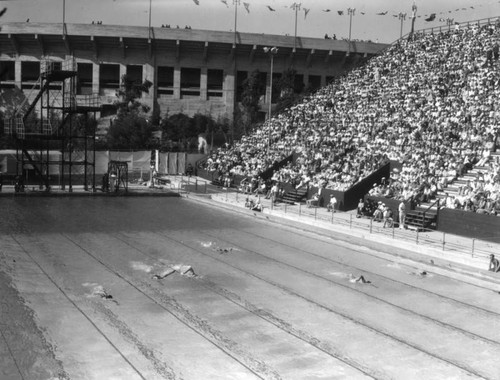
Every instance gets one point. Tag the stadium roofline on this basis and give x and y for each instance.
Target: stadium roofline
(123, 32)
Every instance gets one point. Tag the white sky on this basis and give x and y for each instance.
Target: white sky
(214, 15)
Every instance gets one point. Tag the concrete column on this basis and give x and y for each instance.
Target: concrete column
(18, 71)
(148, 73)
(95, 78)
(229, 87)
(177, 82)
(268, 88)
(306, 78)
(203, 84)
(123, 71)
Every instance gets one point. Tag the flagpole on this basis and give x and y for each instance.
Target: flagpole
(235, 67)
(296, 8)
(413, 17)
(402, 17)
(149, 25)
(351, 12)
(449, 22)
(235, 3)
(64, 16)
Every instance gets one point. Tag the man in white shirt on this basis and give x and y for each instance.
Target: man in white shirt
(402, 215)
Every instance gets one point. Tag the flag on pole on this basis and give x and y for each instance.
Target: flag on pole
(247, 7)
(432, 17)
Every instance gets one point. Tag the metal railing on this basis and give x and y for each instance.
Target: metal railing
(48, 67)
(442, 241)
(420, 236)
(441, 28)
(445, 242)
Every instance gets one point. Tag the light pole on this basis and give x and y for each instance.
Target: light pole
(235, 3)
(413, 17)
(296, 8)
(149, 25)
(402, 17)
(64, 16)
(350, 12)
(272, 52)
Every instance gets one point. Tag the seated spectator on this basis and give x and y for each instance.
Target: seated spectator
(261, 187)
(332, 204)
(378, 214)
(189, 170)
(313, 202)
(450, 201)
(249, 203)
(306, 178)
(281, 192)
(494, 264)
(485, 157)
(245, 186)
(360, 209)
(257, 207)
(227, 181)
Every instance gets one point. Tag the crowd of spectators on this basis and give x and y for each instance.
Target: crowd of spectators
(428, 102)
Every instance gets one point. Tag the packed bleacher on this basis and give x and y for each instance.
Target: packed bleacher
(429, 102)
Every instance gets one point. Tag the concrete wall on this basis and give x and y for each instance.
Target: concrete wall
(470, 224)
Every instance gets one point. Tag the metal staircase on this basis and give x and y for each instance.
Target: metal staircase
(294, 196)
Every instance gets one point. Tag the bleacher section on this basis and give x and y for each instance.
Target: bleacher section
(429, 102)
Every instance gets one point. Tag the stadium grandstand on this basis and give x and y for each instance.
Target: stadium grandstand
(418, 124)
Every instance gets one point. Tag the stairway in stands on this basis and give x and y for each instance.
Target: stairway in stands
(425, 215)
(294, 196)
(454, 187)
(421, 219)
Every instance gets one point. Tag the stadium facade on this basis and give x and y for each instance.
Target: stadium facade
(192, 71)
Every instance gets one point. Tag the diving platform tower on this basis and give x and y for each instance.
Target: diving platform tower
(54, 135)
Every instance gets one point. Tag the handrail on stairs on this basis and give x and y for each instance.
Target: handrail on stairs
(437, 201)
